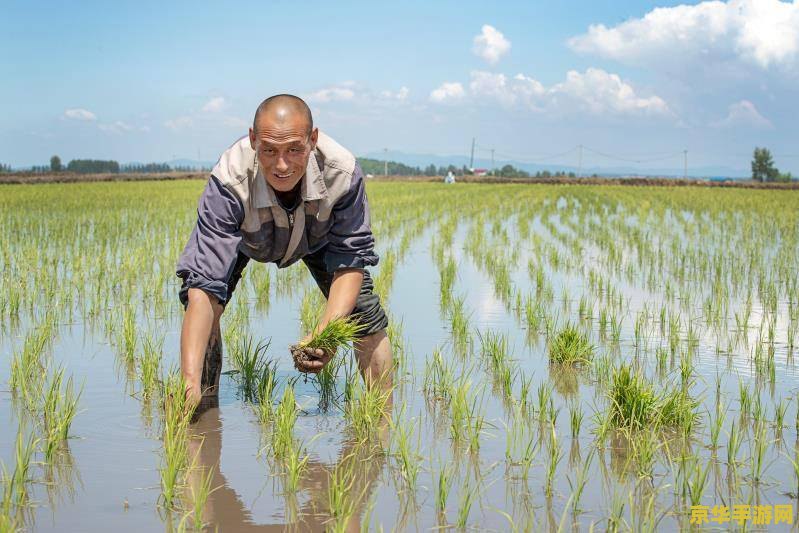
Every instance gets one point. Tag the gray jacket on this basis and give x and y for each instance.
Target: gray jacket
(239, 213)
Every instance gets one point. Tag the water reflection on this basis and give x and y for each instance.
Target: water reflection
(306, 510)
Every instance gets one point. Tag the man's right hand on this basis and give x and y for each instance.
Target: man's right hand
(310, 360)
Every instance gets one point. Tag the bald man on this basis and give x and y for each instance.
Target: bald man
(284, 193)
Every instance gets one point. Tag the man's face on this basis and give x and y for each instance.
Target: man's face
(283, 148)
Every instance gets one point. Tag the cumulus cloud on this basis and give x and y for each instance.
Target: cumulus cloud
(116, 128)
(743, 113)
(594, 91)
(600, 92)
(338, 93)
(215, 105)
(447, 92)
(490, 44)
(400, 95)
(79, 114)
(762, 33)
(179, 123)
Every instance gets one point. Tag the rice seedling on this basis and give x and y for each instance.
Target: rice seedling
(758, 450)
(267, 385)
(248, 360)
(366, 409)
(199, 490)
(576, 418)
(339, 332)
(127, 334)
(59, 409)
(174, 459)
(16, 494)
(555, 454)
(459, 322)
(634, 404)
(439, 378)
(283, 428)
(407, 440)
(633, 401)
(465, 507)
(342, 494)
(443, 486)
(150, 365)
(295, 464)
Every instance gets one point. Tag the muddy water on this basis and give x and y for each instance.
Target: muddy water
(108, 477)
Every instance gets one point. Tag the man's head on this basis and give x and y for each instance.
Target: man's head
(283, 138)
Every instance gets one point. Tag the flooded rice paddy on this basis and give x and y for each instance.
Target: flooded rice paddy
(567, 357)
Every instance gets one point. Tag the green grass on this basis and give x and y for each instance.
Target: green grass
(570, 347)
(634, 403)
(338, 332)
(249, 360)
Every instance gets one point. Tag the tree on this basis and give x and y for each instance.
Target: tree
(55, 164)
(763, 168)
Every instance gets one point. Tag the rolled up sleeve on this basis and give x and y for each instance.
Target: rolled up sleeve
(209, 257)
(350, 241)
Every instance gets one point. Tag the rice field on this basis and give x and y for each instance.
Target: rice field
(567, 358)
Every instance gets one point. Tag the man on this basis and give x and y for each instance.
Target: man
(287, 192)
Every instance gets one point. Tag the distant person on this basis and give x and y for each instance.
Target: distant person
(287, 192)
(450, 177)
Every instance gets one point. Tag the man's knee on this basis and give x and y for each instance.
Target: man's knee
(199, 297)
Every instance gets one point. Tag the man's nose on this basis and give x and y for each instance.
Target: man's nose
(281, 164)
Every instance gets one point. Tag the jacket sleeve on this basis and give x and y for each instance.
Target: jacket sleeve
(350, 241)
(209, 257)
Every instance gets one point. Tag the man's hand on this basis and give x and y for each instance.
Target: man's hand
(310, 360)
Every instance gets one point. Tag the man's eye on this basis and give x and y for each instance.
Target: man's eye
(294, 150)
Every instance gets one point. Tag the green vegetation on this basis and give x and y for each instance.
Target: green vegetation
(561, 345)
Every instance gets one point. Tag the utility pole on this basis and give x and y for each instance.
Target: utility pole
(685, 164)
(385, 161)
(471, 158)
(492, 160)
(580, 161)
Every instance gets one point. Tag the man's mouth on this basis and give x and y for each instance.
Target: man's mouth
(283, 176)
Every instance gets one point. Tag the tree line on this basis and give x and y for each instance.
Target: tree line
(763, 168)
(101, 166)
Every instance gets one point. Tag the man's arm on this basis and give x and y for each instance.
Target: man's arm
(350, 248)
(205, 266)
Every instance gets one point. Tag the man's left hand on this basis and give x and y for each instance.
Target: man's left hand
(310, 360)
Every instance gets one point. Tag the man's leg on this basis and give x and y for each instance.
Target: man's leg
(212, 365)
(375, 360)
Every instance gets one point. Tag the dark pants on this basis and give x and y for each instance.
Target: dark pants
(368, 312)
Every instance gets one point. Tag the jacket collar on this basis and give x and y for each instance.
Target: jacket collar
(313, 185)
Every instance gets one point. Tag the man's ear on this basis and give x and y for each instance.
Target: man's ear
(252, 139)
(314, 137)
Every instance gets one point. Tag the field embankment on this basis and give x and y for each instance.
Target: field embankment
(66, 177)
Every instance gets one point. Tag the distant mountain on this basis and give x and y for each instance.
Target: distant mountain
(423, 160)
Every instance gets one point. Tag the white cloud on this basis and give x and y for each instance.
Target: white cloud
(593, 91)
(743, 114)
(762, 33)
(338, 93)
(400, 95)
(179, 123)
(448, 92)
(215, 104)
(79, 114)
(235, 122)
(491, 45)
(116, 128)
(600, 92)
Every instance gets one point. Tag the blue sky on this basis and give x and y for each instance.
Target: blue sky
(149, 81)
